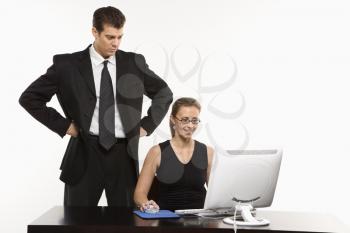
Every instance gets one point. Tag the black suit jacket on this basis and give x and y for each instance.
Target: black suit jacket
(70, 78)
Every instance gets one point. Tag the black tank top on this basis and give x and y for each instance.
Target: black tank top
(181, 186)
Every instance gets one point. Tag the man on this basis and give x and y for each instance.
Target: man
(100, 91)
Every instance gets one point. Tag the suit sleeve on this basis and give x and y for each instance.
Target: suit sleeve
(38, 94)
(158, 91)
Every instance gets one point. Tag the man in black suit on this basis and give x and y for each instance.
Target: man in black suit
(100, 90)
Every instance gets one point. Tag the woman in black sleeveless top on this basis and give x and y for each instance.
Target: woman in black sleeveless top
(179, 167)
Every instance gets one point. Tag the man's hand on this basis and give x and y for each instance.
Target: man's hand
(72, 130)
(143, 132)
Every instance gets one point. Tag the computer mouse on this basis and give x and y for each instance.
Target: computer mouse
(151, 210)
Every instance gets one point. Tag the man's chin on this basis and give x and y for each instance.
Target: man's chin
(109, 53)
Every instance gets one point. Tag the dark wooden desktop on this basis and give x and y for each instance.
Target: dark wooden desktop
(111, 219)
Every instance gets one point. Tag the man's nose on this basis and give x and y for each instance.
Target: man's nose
(115, 43)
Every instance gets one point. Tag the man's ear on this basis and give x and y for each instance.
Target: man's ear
(94, 32)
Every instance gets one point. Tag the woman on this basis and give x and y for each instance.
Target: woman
(180, 165)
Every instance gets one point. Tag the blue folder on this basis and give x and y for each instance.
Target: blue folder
(160, 214)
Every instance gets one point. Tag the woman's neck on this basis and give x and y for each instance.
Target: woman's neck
(182, 142)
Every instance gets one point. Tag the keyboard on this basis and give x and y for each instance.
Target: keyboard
(211, 212)
(192, 211)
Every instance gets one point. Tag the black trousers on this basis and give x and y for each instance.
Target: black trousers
(113, 171)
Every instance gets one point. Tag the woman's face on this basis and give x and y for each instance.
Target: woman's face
(186, 121)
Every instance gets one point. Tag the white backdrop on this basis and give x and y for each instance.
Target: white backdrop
(268, 74)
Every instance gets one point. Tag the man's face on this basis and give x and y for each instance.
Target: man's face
(107, 41)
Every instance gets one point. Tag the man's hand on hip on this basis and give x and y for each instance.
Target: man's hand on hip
(143, 132)
(72, 130)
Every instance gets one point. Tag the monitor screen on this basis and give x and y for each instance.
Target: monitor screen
(243, 175)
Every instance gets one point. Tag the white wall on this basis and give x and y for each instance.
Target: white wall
(291, 80)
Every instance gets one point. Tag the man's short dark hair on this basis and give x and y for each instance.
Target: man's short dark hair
(108, 16)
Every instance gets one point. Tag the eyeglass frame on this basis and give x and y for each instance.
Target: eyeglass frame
(188, 121)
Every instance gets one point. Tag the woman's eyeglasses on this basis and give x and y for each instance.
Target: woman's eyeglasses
(187, 120)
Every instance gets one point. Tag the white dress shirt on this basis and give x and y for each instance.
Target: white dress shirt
(97, 66)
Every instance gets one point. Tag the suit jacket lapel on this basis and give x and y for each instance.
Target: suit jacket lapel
(121, 64)
(85, 69)
(121, 67)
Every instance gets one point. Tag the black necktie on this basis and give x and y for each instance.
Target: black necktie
(106, 110)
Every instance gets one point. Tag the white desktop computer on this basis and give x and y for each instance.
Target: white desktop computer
(243, 180)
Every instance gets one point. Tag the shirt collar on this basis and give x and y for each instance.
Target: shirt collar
(97, 59)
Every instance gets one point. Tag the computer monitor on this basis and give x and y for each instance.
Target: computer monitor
(243, 175)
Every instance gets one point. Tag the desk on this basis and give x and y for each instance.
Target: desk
(112, 219)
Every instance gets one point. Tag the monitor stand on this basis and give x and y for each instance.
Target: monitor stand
(248, 218)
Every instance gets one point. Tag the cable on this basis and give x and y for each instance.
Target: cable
(234, 218)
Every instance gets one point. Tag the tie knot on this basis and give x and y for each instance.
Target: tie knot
(105, 62)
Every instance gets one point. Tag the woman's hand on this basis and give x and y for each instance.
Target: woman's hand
(149, 205)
